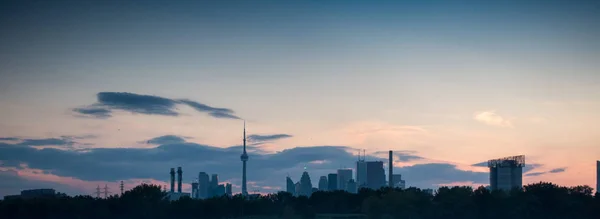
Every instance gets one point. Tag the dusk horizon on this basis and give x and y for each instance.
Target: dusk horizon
(98, 92)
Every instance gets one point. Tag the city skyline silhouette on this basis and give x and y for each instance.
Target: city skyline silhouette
(93, 93)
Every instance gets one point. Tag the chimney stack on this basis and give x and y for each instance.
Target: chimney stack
(179, 175)
(172, 180)
(391, 170)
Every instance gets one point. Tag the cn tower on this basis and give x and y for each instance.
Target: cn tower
(244, 158)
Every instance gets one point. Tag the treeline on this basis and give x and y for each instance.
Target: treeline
(540, 200)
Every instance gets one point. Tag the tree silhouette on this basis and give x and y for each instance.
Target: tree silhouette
(538, 200)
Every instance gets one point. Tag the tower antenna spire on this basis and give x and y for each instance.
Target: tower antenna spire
(244, 159)
(244, 136)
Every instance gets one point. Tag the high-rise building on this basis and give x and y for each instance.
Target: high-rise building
(290, 186)
(305, 185)
(344, 175)
(297, 189)
(398, 182)
(351, 186)
(214, 183)
(506, 173)
(244, 158)
(598, 176)
(361, 173)
(219, 191)
(332, 182)
(390, 169)
(228, 190)
(375, 175)
(203, 185)
(194, 190)
(323, 183)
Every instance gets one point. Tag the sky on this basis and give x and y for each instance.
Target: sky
(98, 92)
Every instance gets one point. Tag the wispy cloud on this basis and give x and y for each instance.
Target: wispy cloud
(107, 102)
(110, 164)
(266, 138)
(491, 118)
(166, 139)
(557, 170)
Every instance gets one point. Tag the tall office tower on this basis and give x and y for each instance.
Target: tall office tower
(361, 172)
(244, 158)
(179, 178)
(375, 175)
(598, 176)
(172, 180)
(305, 185)
(203, 185)
(332, 182)
(390, 170)
(214, 183)
(398, 182)
(506, 173)
(344, 175)
(351, 186)
(290, 186)
(323, 183)
(194, 190)
(228, 191)
(297, 189)
(219, 191)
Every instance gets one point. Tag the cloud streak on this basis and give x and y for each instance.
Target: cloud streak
(557, 170)
(266, 138)
(493, 119)
(166, 139)
(264, 169)
(108, 102)
(62, 141)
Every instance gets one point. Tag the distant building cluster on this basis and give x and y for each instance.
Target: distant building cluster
(208, 188)
(369, 174)
(205, 187)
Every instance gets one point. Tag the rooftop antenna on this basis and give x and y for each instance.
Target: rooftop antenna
(364, 154)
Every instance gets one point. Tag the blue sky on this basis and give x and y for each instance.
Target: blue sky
(453, 82)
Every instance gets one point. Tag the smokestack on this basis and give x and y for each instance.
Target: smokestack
(391, 170)
(172, 180)
(179, 175)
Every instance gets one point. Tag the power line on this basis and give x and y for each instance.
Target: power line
(121, 188)
(98, 192)
(106, 192)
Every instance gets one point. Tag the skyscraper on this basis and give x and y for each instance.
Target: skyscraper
(323, 183)
(344, 175)
(305, 185)
(203, 185)
(351, 186)
(361, 173)
(390, 170)
(290, 186)
(506, 173)
(332, 182)
(244, 158)
(598, 176)
(398, 182)
(194, 190)
(228, 189)
(375, 175)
